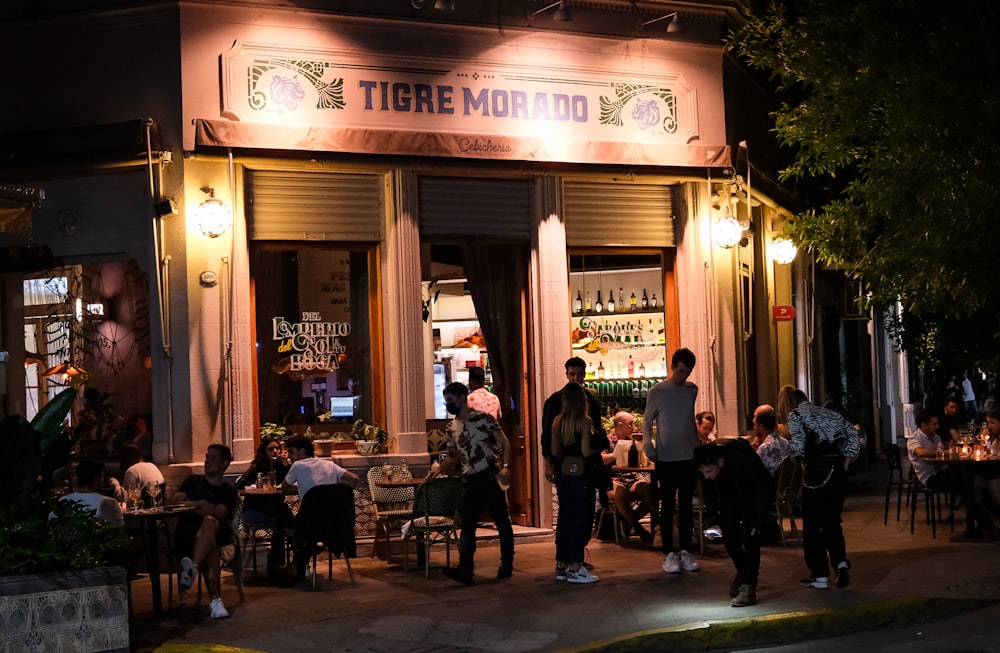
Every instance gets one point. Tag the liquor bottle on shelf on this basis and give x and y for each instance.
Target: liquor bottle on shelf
(578, 304)
(652, 302)
(645, 300)
(599, 306)
(631, 367)
(632, 302)
(600, 370)
(642, 370)
(621, 300)
(588, 304)
(611, 300)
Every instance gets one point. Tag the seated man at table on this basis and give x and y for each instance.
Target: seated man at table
(308, 471)
(949, 422)
(631, 492)
(200, 535)
(924, 443)
(89, 483)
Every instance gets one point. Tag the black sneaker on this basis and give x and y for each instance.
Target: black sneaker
(505, 571)
(644, 535)
(843, 576)
(459, 575)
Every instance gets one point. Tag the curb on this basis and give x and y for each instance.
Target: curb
(785, 627)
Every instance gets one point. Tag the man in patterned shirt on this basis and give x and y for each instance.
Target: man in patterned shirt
(480, 398)
(773, 449)
(827, 443)
(481, 446)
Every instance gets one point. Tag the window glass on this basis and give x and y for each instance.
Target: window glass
(314, 344)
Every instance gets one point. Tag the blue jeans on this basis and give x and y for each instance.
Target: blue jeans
(479, 490)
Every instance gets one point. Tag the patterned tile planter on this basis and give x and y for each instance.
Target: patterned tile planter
(81, 611)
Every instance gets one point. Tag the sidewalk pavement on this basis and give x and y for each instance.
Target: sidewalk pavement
(896, 578)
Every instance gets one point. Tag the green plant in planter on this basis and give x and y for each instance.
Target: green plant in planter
(361, 430)
(41, 455)
(272, 431)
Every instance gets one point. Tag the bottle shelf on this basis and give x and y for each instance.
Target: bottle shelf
(618, 314)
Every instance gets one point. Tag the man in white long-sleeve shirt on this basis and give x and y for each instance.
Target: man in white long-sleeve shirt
(670, 407)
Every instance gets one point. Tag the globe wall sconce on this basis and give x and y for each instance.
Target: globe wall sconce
(727, 232)
(562, 14)
(783, 250)
(212, 216)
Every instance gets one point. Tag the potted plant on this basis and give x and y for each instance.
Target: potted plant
(370, 438)
(64, 557)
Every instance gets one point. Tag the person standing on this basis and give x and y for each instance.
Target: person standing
(827, 443)
(482, 448)
(596, 475)
(969, 397)
(480, 398)
(739, 489)
(572, 443)
(670, 407)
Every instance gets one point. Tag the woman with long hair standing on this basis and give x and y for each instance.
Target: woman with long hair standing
(571, 446)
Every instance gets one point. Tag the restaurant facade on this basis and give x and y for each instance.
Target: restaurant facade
(246, 213)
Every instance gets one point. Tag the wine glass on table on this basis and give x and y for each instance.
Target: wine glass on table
(133, 491)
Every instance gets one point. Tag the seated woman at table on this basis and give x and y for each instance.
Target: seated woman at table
(631, 493)
(992, 473)
(268, 510)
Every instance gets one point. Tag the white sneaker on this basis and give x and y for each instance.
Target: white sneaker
(580, 576)
(713, 533)
(217, 610)
(688, 562)
(187, 575)
(671, 564)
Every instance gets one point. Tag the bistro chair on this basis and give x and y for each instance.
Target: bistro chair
(326, 523)
(607, 509)
(932, 504)
(392, 506)
(435, 518)
(788, 497)
(897, 480)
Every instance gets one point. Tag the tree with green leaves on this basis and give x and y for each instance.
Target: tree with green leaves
(892, 111)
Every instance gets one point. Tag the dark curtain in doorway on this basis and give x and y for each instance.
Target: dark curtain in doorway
(497, 276)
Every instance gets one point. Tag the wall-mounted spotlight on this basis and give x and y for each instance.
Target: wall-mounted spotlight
(213, 217)
(440, 5)
(675, 24)
(563, 14)
(165, 207)
(783, 250)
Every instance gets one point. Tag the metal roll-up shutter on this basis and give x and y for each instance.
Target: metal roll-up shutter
(460, 206)
(287, 205)
(602, 214)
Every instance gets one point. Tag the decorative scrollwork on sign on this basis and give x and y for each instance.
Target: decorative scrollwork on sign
(646, 113)
(284, 92)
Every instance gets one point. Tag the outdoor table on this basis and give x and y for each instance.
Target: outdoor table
(624, 469)
(151, 543)
(969, 466)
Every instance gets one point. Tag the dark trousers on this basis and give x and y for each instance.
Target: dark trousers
(822, 535)
(479, 490)
(576, 515)
(676, 478)
(742, 546)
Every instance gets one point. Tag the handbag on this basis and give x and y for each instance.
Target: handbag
(571, 465)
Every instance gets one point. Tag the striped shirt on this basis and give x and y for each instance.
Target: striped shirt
(829, 426)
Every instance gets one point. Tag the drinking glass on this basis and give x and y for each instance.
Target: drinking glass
(154, 494)
(133, 492)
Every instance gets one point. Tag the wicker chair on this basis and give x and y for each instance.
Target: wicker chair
(392, 505)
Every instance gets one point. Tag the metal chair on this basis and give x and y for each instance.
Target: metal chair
(435, 518)
(897, 480)
(932, 504)
(392, 506)
(326, 523)
(788, 497)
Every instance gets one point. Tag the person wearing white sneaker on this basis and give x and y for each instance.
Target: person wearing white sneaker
(738, 487)
(671, 563)
(200, 534)
(670, 408)
(217, 610)
(827, 443)
(580, 576)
